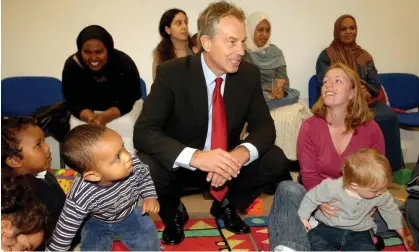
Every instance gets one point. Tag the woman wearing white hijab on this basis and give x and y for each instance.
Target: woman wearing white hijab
(273, 73)
(270, 61)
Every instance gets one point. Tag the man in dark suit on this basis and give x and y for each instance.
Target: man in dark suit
(190, 125)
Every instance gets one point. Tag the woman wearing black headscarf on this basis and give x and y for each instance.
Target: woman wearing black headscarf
(99, 78)
(101, 84)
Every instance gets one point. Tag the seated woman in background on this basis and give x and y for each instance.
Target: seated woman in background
(175, 40)
(275, 85)
(23, 217)
(344, 49)
(342, 124)
(102, 84)
(270, 60)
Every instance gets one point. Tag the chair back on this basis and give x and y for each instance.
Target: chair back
(21, 96)
(313, 91)
(402, 89)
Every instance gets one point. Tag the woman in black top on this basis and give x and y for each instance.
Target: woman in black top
(99, 78)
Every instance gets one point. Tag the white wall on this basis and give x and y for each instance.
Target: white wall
(38, 36)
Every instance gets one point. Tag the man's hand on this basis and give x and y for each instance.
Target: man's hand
(242, 154)
(151, 206)
(216, 161)
(306, 224)
(216, 179)
(329, 210)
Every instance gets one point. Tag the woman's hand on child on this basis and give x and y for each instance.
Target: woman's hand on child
(329, 210)
(306, 224)
(407, 238)
(151, 206)
(372, 211)
(409, 243)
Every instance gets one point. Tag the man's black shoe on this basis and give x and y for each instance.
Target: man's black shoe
(174, 233)
(231, 219)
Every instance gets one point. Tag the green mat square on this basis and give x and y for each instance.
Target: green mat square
(402, 176)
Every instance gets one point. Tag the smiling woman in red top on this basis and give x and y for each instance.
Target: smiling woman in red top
(342, 124)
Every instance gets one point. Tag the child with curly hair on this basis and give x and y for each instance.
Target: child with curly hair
(23, 216)
(24, 152)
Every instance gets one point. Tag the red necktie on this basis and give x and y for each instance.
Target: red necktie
(219, 131)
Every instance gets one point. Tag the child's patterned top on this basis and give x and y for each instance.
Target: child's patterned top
(106, 203)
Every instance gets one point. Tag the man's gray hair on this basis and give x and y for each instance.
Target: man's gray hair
(211, 16)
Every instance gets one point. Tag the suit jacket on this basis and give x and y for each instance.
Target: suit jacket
(175, 114)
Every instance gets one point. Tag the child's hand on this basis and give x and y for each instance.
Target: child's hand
(306, 224)
(409, 243)
(150, 205)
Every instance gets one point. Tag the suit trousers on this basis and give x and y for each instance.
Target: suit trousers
(253, 179)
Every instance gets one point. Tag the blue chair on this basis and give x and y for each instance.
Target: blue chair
(313, 91)
(21, 96)
(143, 89)
(403, 93)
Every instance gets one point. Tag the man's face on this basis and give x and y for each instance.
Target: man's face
(225, 50)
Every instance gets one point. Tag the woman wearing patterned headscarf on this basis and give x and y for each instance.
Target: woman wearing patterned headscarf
(344, 49)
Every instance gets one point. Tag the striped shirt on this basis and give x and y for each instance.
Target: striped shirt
(110, 204)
